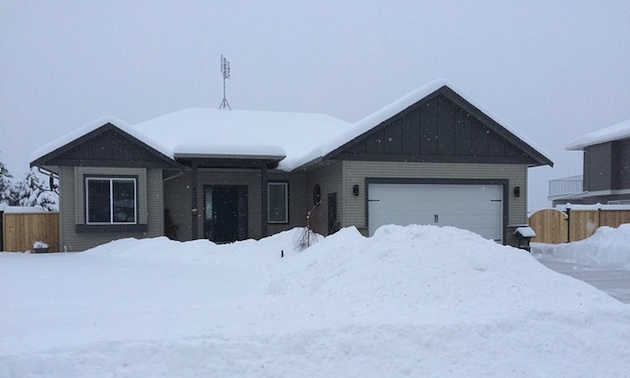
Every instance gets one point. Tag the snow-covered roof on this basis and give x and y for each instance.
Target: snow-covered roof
(410, 99)
(293, 139)
(296, 138)
(89, 127)
(615, 132)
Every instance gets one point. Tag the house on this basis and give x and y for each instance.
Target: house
(431, 157)
(606, 169)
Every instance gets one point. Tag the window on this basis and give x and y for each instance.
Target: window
(110, 200)
(278, 204)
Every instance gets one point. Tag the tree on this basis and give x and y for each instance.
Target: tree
(31, 192)
(5, 183)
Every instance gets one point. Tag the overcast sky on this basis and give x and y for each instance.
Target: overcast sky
(551, 70)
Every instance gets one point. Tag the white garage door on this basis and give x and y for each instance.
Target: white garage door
(478, 208)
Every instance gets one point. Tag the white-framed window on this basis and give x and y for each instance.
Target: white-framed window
(110, 200)
(278, 202)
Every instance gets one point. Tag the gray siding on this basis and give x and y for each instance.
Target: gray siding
(329, 177)
(440, 129)
(597, 167)
(297, 200)
(177, 198)
(621, 164)
(106, 146)
(72, 206)
(355, 173)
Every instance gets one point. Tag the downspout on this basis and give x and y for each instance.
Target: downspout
(194, 207)
(264, 229)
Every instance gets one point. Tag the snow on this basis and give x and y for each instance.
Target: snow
(294, 139)
(406, 101)
(244, 133)
(408, 301)
(615, 132)
(597, 206)
(22, 209)
(607, 248)
(92, 126)
(526, 232)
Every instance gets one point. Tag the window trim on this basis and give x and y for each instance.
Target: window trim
(286, 202)
(111, 179)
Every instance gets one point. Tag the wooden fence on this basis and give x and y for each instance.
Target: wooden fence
(554, 226)
(21, 230)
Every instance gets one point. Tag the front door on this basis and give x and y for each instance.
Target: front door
(225, 213)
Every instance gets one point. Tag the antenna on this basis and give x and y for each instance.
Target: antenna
(225, 70)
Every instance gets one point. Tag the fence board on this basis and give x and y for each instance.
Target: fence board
(550, 226)
(614, 218)
(553, 226)
(21, 230)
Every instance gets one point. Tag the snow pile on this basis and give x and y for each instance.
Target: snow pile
(607, 248)
(409, 301)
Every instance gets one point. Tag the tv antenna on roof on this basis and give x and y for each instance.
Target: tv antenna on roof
(225, 70)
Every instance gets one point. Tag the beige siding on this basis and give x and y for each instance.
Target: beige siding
(329, 178)
(72, 205)
(177, 198)
(355, 173)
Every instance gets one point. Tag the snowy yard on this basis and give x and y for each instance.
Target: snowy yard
(409, 301)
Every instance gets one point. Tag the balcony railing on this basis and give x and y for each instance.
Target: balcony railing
(565, 186)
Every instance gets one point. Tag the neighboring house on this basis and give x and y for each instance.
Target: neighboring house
(606, 169)
(565, 189)
(431, 157)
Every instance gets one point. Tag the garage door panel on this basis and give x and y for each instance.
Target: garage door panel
(478, 208)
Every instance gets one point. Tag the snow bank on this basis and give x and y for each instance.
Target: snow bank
(409, 301)
(608, 248)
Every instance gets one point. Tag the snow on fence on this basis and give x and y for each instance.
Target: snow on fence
(22, 229)
(576, 222)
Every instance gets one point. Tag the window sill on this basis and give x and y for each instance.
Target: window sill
(102, 228)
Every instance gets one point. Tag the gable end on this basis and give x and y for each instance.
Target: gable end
(107, 146)
(442, 127)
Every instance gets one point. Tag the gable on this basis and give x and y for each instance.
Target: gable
(107, 146)
(442, 127)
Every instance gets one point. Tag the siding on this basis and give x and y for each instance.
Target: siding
(438, 130)
(355, 173)
(597, 167)
(297, 201)
(72, 206)
(329, 177)
(177, 198)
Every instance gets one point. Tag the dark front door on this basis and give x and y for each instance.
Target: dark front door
(225, 213)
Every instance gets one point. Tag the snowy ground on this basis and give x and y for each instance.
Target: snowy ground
(409, 301)
(615, 282)
(603, 260)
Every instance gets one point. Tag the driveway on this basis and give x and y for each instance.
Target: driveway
(615, 282)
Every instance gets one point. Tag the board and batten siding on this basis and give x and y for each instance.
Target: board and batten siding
(72, 205)
(330, 179)
(356, 172)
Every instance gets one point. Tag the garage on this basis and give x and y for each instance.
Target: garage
(475, 207)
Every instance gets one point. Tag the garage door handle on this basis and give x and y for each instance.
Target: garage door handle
(371, 200)
(496, 200)
(436, 218)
